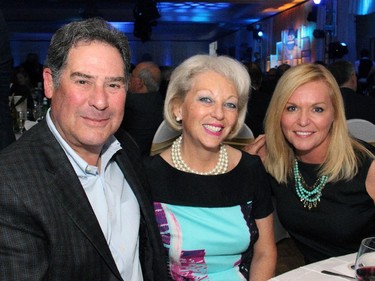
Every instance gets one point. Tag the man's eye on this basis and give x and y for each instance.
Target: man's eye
(114, 85)
(82, 82)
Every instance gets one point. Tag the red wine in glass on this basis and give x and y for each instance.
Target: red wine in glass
(366, 273)
(365, 261)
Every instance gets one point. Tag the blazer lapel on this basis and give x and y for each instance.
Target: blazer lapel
(151, 247)
(132, 178)
(73, 199)
(70, 193)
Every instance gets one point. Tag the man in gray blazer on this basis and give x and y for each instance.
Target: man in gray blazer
(74, 204)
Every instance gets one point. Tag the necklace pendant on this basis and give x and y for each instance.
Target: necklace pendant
(309, 206)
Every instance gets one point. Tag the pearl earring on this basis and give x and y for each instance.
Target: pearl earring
(178, 119)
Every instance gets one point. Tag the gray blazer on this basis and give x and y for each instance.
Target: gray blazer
(48, 230)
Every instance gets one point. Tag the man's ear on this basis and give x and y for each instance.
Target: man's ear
(48, 82)
(141, 83)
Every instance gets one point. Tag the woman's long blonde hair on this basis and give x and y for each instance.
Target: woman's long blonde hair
(341, 162)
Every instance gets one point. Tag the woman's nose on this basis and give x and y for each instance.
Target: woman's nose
(218, 112)
(303, 118)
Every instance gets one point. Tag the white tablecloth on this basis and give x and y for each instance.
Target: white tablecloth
(312, 272)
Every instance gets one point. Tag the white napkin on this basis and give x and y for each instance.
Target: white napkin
(345, 269)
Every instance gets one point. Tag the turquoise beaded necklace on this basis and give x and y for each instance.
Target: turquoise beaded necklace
(309, 196)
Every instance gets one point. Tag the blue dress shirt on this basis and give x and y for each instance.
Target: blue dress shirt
(113, 203)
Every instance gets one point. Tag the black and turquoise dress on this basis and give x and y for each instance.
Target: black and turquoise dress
(207, 223)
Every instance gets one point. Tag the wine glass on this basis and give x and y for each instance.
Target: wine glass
(365, 261)
(21, 118)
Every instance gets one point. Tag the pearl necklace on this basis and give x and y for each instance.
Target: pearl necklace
(220, 168)
(309, 196)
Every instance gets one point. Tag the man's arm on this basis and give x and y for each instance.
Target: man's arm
(23, 249)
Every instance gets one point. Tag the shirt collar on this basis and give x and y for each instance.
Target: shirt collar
(109, 149)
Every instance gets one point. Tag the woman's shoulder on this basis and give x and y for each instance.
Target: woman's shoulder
(250, 159)
(247, 164)
(239, 154)
(234, 156)
(152, 162)
(365, 153)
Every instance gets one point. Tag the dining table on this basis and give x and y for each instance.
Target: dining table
(343, 265)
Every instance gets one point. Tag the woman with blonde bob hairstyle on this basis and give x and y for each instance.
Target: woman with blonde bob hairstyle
(323, 179)
(212, 201)
(183, 77)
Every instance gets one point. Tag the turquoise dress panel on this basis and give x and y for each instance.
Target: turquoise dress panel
(207, 223)
(224, 240)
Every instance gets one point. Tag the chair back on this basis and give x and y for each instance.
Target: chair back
(362, 129)
(163, 138)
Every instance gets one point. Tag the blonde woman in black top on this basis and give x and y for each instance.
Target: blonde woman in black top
(322, 178)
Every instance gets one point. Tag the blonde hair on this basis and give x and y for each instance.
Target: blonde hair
(183, 76)
(341, 161)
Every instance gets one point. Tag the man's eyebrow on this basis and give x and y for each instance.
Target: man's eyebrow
(108, 79)
(115, 79)
(80, 74)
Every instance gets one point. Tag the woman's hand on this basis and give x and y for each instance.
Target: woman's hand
(257, 147)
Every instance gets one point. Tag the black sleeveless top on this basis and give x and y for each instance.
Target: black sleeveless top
(343, 217)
